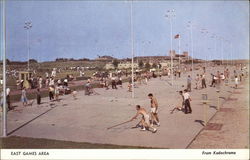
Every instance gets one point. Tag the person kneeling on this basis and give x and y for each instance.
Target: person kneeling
(145, 119)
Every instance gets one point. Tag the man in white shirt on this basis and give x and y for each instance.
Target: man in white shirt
(8, 98)
(236, 80)
(187, 100)
(40, 81)
(203, 81)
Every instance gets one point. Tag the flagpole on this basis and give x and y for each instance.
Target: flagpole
(3, 37)
(192, 48)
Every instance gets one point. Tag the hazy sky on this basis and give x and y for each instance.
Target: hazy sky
(78, 29)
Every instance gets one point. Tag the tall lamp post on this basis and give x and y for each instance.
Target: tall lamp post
(3, 51)
(28, 26)
(190, 25)
(205, 33)
(221, 39)
(170, 15)
(132, 45)
(231, 52)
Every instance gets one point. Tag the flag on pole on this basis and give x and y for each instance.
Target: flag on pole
(177, 36)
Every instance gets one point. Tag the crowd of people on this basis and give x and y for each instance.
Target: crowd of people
(57, 87)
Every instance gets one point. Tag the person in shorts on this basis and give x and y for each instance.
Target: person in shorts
(154, 109)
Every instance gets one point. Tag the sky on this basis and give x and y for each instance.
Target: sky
(86, 29)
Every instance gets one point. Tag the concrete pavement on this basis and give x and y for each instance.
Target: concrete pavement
(86, 119)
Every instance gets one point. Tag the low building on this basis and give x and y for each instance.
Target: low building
(109, 66)
(127, 65)
(122, 65)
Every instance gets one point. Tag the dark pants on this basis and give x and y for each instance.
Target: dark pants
(51, 96)
(87, 91)
(213, 83)
(203, 83)
(113, 85)
(8, 101)
(189, 87)
(187, 106)
(38, 99)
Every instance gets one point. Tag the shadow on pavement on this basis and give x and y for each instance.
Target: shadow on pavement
(200, 121)
(214, 107)
(11, 132)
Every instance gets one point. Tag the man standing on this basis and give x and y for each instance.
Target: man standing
(113, 82)
(8, 98)
(145, 119)
(187, 100)
(51, 93)
(38, 96)
(236, 81)
(203, 81)
(24, 97)
(154, 109)
(197, 79)
(213, 80)
(189, 81)
(40, 81)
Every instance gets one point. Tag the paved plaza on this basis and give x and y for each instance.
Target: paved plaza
(87, 118)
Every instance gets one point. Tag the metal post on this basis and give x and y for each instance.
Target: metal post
(222, 51)
(215, 45)
(132, 45)
(231, 47)
(179, 52)
(28, 26)
(28, 44)
(171, 50)
(3, 39)
(205, 113)
(218, 100)
(192, 48)
(170, 15)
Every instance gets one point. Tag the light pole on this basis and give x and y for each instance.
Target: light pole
(132, 45)
(190, 25)
(205, 32)
(215, 45)
(221, 38)
(3, 50)
(170, 15)
(227, 57)
(28, 26)
(231, 52)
